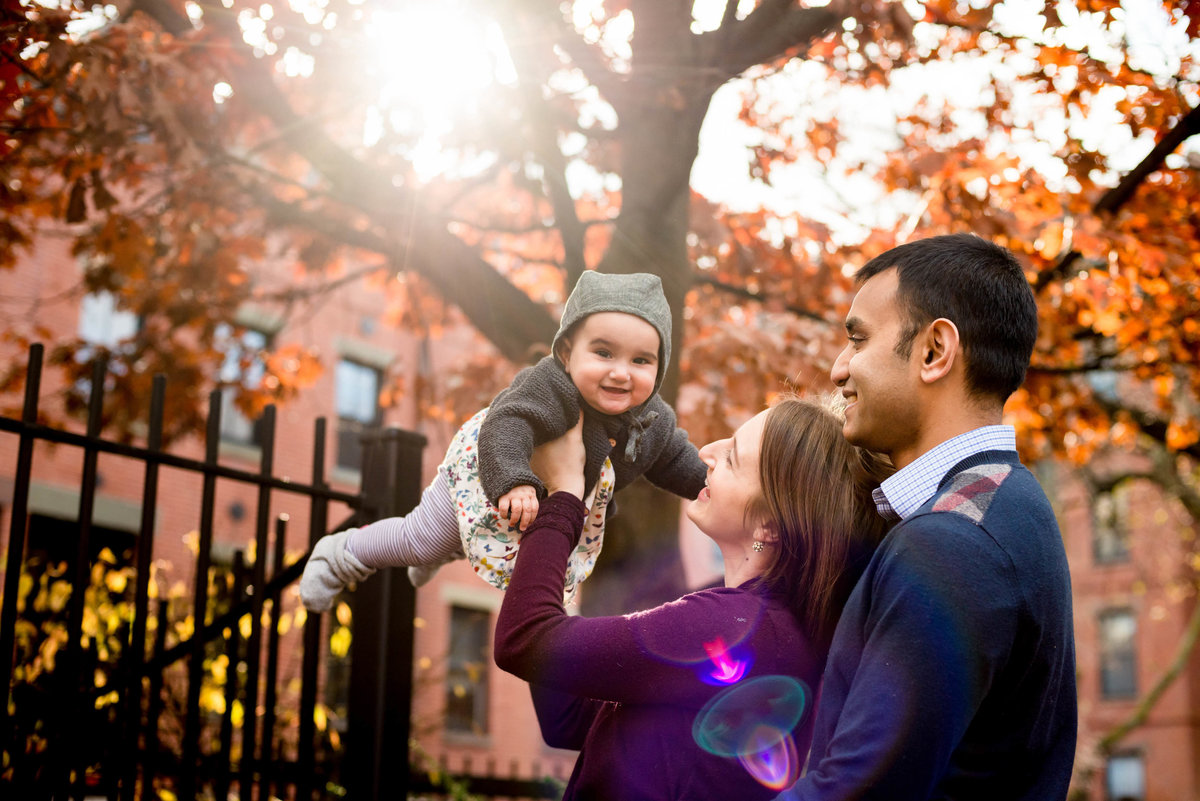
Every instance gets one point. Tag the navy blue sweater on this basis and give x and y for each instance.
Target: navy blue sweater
(952, 670)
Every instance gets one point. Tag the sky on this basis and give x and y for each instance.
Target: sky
(810, 190)
(467, 53)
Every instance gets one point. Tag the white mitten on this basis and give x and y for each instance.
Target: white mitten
(419, 575)
(329, 570)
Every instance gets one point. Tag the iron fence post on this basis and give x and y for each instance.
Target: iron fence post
(376, 762)
(16, 538)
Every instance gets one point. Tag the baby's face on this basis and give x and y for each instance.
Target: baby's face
(612, 358)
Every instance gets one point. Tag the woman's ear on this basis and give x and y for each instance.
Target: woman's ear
(766, 532)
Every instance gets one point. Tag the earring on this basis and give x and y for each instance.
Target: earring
(758, 546)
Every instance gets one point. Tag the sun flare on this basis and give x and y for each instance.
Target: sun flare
(434, 62)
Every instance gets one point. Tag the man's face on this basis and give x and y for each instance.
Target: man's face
(880, 385)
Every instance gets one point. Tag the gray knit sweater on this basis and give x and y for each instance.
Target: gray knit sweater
(542, 404)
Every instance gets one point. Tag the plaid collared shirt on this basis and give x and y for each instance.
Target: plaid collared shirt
(905, 490)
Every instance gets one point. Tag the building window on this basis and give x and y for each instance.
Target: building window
(102, 323)
(243, 365)
(1125, 778)
(1118, 662)
(466, 676)
(357, 409)
(1110, 525)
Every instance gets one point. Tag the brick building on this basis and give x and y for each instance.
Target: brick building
(466, 712)
(1131, 550)
(1133, 566)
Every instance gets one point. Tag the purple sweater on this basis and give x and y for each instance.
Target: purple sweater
(625, 691)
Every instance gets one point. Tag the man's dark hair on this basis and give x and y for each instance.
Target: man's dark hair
(977, 285)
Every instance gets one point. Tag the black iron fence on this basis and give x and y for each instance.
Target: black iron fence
(120, 716)
(58, 744)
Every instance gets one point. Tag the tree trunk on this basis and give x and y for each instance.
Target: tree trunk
(640, 566)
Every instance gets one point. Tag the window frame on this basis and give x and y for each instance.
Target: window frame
(1110, 526)
(236, 428)
(1135, 757)
(460, 664)
(1113, 656)
(348, 451)
(102, 324)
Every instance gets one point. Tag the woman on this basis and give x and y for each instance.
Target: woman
(706, 697)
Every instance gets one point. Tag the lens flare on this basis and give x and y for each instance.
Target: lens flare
(776, 766)
(752, 716)
(728, 666)
(663, 639)
(753, 722)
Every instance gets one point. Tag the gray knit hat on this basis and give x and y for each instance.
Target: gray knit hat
(639, 294)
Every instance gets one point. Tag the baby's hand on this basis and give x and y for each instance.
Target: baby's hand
(519, 505)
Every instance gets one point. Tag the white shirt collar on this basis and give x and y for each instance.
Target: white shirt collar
(906, 490)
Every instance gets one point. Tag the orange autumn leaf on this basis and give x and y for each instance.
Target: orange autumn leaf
(1182, 433)
(1107, 323)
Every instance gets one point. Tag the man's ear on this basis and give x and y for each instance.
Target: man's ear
(939, 347)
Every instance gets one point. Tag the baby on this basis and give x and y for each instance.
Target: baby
(607, 363)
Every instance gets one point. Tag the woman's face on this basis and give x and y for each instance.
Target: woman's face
(732, 484)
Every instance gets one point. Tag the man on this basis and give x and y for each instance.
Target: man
(952, 669)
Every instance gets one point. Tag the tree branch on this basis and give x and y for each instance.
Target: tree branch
(1099, 363)
(1109, 481)
(1183, 653)
(500, 311)
(746, 294)
(1184, 128)
(1150, 424)
(771, 30)
(729, 16)
(524, 229)
(544, 139)
(588, 58)
(1169, 476)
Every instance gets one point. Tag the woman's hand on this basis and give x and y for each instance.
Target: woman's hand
(559, 463)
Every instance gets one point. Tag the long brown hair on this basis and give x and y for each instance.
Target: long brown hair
(816, 495)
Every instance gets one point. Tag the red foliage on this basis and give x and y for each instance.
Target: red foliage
(174, 200)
